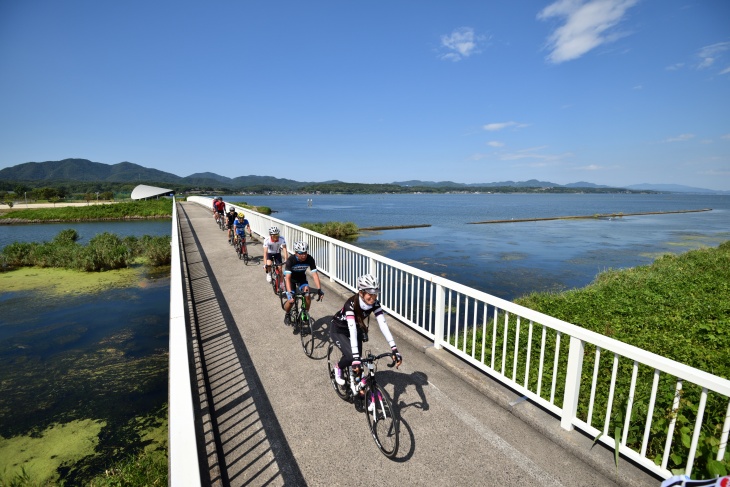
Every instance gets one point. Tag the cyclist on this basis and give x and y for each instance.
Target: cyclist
(230, 218)
(349, 330)
(274, 245)
(218, 208)
(295, 277)
(240, 224)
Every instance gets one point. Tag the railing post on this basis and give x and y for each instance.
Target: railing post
(332, 260)
(572, 383)
(439, 318)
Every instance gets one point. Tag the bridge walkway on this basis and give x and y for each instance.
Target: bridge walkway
(267, 414)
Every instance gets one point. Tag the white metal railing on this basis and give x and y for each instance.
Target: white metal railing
(654, 409)
(183, 468)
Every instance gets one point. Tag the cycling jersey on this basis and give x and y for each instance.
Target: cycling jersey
(240, 226)
(344, 323)
(298, 269)
(219, 206)
(231, 216)
(274, 248)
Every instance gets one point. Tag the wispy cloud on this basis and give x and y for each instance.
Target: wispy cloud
(675, 67)
(495, 143)
(586, 25)
(535, 153)
(460, 44)
(709, 54)
(493, 127)
(680, 138)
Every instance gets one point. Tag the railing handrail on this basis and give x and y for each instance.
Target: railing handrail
(183, 467)
(578, 336)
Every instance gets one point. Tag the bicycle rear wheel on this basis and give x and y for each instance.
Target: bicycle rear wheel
(383, 421)
(334, 355)
(244, 250)
(305, 333)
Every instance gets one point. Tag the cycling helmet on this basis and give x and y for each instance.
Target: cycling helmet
(274, 231)
(368, 283)
(240, 215)
(300, 247)
(232, 208)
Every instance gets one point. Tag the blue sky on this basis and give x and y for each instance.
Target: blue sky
(614, 92)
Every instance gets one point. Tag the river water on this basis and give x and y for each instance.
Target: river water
(509, 260)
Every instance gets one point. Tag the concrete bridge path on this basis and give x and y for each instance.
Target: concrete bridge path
(269, 416)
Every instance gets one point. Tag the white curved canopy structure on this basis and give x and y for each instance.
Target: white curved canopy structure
(143, 191)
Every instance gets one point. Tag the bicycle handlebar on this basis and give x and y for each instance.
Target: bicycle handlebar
(372, 358)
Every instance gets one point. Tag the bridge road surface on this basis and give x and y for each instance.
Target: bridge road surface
(269, 416)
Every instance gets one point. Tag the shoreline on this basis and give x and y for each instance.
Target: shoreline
(585, 217)
(23, 221)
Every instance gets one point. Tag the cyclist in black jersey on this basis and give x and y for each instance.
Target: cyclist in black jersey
(349, 330)
(230, 218)
(295, 277)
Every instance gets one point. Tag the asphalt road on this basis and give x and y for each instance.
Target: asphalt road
(269, 416)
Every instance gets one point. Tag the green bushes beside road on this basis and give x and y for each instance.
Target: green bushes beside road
(105, 251)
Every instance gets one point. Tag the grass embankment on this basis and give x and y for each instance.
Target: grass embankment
(338, 230)
(677, 307)
(114, 211)
(105, 251)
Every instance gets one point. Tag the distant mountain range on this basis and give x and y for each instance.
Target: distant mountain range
(127, 172)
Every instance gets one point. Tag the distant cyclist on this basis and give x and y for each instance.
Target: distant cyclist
(349, 330)
(240, 224)
(230, 218)
(274, 245)
(295, 277)
(219, 208)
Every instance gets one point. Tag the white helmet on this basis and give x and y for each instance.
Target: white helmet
(368, 283)
(300, 247)
(274, 231)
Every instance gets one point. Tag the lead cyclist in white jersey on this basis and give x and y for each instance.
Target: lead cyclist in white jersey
(274, 246)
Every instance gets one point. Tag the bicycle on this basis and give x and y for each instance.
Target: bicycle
(375, 402)
(277, 281)
(241, 249)
(299, 317)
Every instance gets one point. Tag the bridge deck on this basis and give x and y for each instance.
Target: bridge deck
(268, 415)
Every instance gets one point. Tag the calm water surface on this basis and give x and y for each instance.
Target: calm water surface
(46, 231)
(511, 259)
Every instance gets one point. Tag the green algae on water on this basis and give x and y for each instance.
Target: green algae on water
(40, 455)
(64, 282)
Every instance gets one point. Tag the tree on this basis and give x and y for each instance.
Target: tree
(107, 195)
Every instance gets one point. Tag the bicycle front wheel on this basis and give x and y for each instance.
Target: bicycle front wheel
(305, 333)
(383, 421)
(244, 250)
(334, 355)
(282, 298)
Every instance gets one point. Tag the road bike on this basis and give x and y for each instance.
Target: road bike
(300, 319)
(241, 249)
(222, 222)
(370, 397)
(277, 280)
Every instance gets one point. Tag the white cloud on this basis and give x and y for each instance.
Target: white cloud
(495, 143)
(725, 71)
(460, 44)
(680, 138)
(709, 54)
(587, 25)
(533, 153)
(726, 136)
(675, 67)
(492, 127)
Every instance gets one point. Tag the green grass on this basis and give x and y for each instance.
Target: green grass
(105, 251)
(114, 211)
(338, 230)
(678, 307)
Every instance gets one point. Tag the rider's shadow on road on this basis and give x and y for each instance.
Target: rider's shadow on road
(403, 400)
